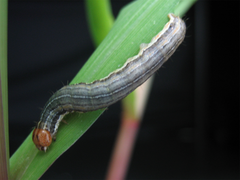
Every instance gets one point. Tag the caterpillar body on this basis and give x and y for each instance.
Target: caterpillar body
(84, 97)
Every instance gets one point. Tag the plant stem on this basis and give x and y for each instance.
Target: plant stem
(100, 19)
(128, 131)
(4, 139)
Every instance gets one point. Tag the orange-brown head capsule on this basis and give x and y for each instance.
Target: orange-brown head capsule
(42, 139)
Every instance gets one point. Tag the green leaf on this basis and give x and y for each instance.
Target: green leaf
(4, 138)
(137, 23)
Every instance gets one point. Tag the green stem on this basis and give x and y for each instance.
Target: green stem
(100, 19)
(4, 138)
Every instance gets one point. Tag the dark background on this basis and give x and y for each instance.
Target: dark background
(190, 129)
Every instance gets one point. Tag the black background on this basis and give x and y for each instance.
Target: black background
(191, 125)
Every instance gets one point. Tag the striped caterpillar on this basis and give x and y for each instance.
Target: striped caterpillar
(84, 97)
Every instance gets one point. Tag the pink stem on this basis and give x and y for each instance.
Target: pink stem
(123, 149)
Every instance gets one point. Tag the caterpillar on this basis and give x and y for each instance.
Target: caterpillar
(84, 97)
